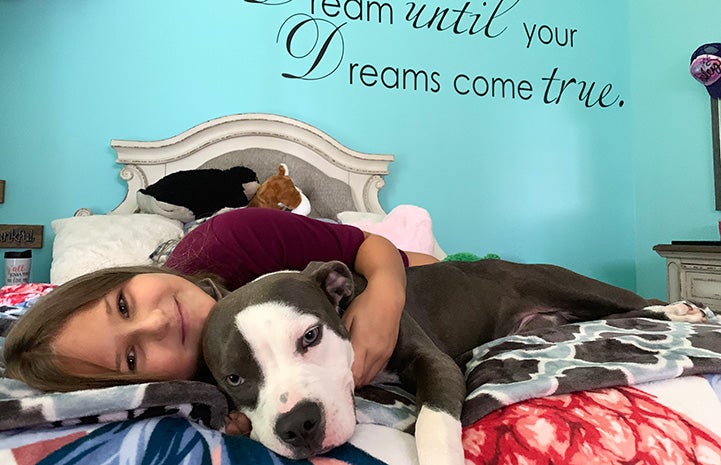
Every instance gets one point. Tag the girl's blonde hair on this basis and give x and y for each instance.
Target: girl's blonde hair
(28, 350)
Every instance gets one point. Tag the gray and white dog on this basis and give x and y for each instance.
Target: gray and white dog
(278, 349)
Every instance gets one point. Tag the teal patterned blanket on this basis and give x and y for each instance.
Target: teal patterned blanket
(586, 356)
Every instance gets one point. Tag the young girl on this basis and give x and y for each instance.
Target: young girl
(139, 324)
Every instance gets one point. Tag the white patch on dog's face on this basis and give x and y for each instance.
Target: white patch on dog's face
(302, 360)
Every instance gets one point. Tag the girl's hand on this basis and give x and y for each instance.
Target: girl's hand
(373, 327)
(237, 424)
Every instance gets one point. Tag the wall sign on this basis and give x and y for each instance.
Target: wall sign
(17, 236)
(312, 40)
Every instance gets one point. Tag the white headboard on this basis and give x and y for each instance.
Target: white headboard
(146, 162)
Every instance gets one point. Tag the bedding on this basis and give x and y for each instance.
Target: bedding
(88, 243)
(408, 227)
(15, 299)
(564, 395)
(613, 392)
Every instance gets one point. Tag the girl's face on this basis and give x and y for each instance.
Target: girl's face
(150, 325)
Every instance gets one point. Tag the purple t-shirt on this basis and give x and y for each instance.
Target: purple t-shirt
(243, 244)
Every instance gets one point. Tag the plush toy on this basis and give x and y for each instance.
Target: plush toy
(280, 192)
(194, 194)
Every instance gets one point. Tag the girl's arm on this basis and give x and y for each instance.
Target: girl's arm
(373, 318)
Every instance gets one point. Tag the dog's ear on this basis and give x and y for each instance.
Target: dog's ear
(334, 278)
(212, 288)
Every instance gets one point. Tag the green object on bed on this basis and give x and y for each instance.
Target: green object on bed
(468, 257)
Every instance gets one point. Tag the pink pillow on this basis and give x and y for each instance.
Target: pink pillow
(408, 227)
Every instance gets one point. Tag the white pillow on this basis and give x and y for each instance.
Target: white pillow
(88, 243)
(353, 217)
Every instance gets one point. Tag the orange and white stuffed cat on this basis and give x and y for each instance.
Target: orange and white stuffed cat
(280, 192)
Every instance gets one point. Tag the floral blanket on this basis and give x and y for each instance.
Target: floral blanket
(614, 426)
(559, 395)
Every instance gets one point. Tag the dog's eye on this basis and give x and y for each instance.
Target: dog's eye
(312, 337)
(234, 380)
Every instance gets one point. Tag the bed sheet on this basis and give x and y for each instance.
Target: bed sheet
(619, 391)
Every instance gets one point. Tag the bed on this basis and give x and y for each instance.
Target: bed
(616, 391)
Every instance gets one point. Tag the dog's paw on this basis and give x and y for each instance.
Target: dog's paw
(684, 310)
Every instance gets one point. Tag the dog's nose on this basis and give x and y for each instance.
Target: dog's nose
(302, 427)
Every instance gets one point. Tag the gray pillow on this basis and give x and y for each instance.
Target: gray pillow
(328, 196)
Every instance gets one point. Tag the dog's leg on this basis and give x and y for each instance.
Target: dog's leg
(685, 311)
(438, 437)
(440, 391)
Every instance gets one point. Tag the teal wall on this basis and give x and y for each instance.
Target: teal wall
(575, 182)
(671, 131)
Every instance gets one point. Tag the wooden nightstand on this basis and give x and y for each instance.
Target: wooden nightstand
(693, 272)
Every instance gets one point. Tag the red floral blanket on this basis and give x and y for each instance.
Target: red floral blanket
(612, 426)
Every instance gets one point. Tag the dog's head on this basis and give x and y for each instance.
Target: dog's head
(278, 349)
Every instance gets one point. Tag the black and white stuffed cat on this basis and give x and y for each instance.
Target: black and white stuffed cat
(194, 194)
